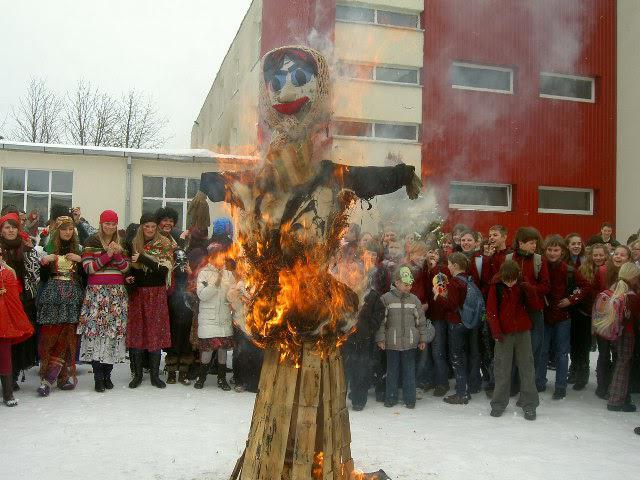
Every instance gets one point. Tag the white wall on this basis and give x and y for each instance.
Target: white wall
(628, 124)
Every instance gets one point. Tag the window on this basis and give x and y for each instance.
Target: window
(381, 17)
(169, 192)
(397, 75)
(36, 189)
(567, 87)
(410, 20)
(467, 76)
(480, 196)
(407, 75)
(355, 14)
(577, 201)
(389, 131)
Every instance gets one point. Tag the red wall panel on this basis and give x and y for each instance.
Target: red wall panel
(521, 139)
(287, 22)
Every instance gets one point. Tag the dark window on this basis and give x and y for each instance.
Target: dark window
(481, 77)
(174, 188)
(565, 200)
(38, 180)
(399, 75)
(463, 195)
(354, 70)
(193, 185)
(399, 132)
(12, 179)
(61, 182)
(398, 19)
(566, 87)
(152, 187)
(355, 14)
(353, 129)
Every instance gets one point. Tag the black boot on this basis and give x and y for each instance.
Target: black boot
(582, 376)
(154, 370)
(202, 376)
(222, 378)
(7, 391)
(106, 373)
(135, 357)
(16, 385)
(98, 376)
(171, 377)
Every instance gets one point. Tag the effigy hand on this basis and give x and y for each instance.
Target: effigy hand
(414, 187)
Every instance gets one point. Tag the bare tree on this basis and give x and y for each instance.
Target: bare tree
(91, 117)
(139, 125)
(37, 115)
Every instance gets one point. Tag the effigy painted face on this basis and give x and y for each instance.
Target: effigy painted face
(291, 81)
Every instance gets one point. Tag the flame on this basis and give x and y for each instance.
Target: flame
(318, 465)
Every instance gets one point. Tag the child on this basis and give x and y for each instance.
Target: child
(15, 327)
(557, 329)
(404, 327)
(450, 301)
(510, 326)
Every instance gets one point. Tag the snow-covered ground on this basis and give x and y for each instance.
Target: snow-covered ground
(180, 433)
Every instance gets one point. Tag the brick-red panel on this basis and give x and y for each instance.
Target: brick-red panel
(286, 22)
(521, 139)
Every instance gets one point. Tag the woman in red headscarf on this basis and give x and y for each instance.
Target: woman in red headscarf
(15, 326)
(21, 257)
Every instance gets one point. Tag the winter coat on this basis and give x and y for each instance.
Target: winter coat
(214, 313)
(370, 318)
(540, 281)
(404, 325)
(423, 289)
(507, 307)
(561, 285)
(598, 239)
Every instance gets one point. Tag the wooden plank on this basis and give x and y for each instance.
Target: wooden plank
(277, 423)
(308, 401)
(260, 412)
(327, 425)
(336, 375)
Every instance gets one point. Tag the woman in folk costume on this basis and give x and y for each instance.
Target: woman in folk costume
(103, 319)
(148, 323)
(215, 318)
(59, 308)
(15, 326)
(23, 259)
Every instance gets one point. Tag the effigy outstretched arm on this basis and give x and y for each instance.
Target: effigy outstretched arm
(368, 182)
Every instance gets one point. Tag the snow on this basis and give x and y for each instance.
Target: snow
(181, 433)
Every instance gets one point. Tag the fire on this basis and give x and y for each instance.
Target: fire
(291, 296)
(318, 465)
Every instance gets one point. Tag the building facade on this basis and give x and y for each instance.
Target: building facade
(507, 109)
(129, 181)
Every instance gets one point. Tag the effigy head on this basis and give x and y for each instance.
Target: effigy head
(294, 90)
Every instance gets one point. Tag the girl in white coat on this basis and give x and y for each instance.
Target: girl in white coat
(215, 329)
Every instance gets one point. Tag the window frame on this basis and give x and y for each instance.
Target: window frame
(481, 66)
(164, 199)
(373, 131)
(572, 77)
(375, 16)
(562, 211)
(482, 208)
(343, 67)
(25, 191)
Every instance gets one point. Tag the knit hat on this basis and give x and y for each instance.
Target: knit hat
(222, 226)
(148, 217)
(109, 216)
(64, 221)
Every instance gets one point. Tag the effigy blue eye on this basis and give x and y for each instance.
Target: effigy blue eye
(278, 80)
(299, 77)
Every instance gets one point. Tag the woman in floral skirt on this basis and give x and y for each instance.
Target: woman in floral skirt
(103, 319)
(59, 308)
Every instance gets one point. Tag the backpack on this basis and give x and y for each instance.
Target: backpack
(537, 263)
(608, 316)
(472, 310)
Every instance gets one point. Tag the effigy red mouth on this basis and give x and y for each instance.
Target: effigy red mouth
(290, 108)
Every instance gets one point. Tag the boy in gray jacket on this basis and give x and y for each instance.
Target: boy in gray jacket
(404, 328)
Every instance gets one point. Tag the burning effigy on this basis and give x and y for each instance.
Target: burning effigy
(291, 211)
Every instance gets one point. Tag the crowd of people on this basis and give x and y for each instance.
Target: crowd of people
(493, 315)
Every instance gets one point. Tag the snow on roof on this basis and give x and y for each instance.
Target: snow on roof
(192, 155)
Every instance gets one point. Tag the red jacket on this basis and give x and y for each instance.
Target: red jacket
(632, 304)
(452, 300)
(494, 263)
(559, 282)
(584, 294)
(540, 283)
(423, 289)
(507, 308)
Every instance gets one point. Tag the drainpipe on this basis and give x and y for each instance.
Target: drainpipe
(127, 194)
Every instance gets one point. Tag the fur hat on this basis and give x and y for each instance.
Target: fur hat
(58, 210)
(166, 212)
(148, 217)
